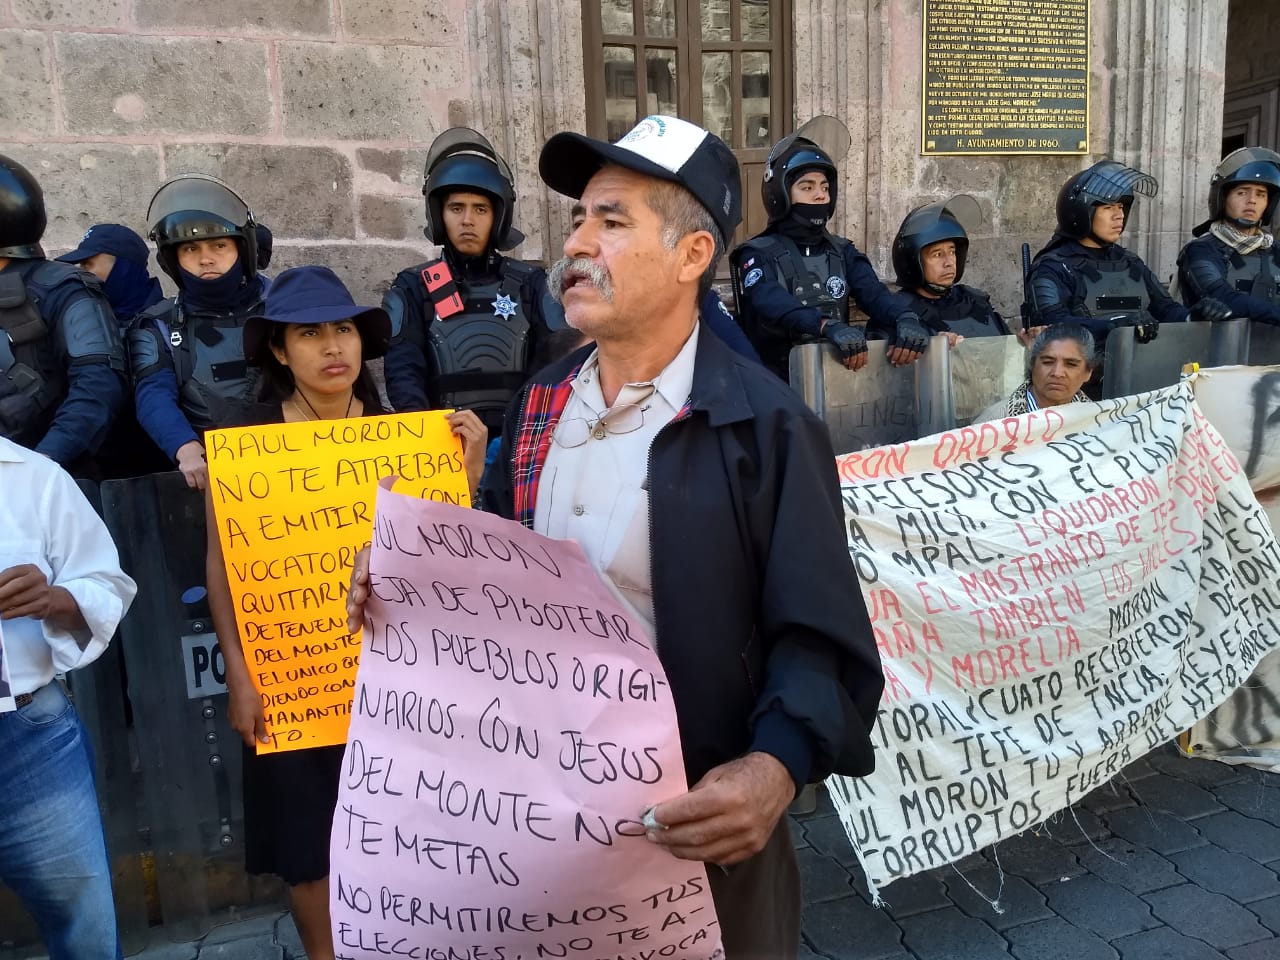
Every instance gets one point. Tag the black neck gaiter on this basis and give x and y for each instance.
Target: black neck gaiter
(806, 223)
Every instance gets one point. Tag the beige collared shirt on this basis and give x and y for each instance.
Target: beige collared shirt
(595, 493)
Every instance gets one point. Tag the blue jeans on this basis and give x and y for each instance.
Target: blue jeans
(52, 849)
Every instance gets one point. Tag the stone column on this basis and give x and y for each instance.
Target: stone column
(527, 82)
(1165, 61)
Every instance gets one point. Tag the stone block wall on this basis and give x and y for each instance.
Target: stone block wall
(319, 112)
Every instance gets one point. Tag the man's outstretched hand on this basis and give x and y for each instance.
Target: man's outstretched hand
(729, 814)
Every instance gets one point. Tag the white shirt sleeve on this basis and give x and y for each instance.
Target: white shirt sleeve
(83, 560)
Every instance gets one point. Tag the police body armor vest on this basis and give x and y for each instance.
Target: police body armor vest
(1113, 290)
(816, 279)
(214, 382)
(479, 357)
(1255, 275)
(968, 314)
(32, 381)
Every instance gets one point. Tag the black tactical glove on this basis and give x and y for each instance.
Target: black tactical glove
(1210, 309)
(1146, 330)
(909, 333)
(848, 339)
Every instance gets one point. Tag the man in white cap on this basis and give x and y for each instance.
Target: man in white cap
(62, 594)
(704, 490)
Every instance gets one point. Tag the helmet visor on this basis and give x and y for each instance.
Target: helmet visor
(962, 208)
(464, 140)
(189, 225)
(1113, 182)
(828, 134)
(194, 195)
(1237, 160)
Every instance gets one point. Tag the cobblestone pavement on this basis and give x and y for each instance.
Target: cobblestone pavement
(1176, 860)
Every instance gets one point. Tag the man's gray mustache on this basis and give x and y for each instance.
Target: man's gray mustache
(597, 275)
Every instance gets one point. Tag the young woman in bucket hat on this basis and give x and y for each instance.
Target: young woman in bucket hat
(311, 341)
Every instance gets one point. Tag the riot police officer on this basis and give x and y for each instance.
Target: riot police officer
(119, 258)
(1083, 275)
(794, 281)
(62, 362)
(468, 328)
(1235, 258)
(929, 255)
(188, 362)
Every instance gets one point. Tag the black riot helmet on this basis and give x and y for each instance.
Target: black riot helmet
(22, 217)
(1107, 181)
(815, 146)
(462, 160)
(199, 207)
(1246, 165)
(927, 225)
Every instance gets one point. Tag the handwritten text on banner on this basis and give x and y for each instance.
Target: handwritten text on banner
(511, 723)
(1052, 596)
(294, 503)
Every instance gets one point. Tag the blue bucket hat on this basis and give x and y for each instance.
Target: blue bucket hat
(113, 238)
(314, 295)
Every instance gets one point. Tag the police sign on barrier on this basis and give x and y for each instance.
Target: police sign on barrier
(880, 403)
(188, 755)
(206, 671)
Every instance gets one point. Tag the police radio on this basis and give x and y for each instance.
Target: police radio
(443, 289)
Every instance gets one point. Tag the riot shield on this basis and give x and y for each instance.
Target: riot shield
(880, 403)
(1131, 367)
(99, 695)
(1228, 343)
(1264, 344)
(984, 370)
(188, 756)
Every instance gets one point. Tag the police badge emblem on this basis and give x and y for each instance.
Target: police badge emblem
(504, 307)
(752, 277)
(836, 287)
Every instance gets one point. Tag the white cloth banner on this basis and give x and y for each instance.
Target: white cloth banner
(1243, 404)
(1053, 596)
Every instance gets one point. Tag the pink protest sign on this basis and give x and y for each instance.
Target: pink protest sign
(511, 724)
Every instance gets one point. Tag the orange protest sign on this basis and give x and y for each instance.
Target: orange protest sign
(293, 504)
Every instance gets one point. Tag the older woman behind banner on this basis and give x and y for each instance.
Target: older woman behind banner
(312, 341)
(1059, 364)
